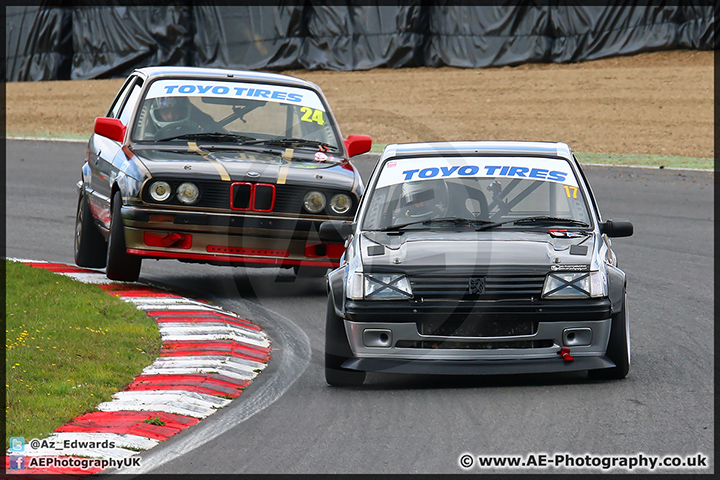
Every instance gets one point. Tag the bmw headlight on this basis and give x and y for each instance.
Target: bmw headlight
(575, 285)
(340, 203)
(314, 202)
(383, 286)
(188, 193)
(160, 191)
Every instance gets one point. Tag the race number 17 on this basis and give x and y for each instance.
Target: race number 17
(571, 191)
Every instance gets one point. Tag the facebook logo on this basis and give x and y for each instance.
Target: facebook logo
(17, 462)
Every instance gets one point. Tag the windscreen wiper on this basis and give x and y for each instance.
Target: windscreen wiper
(457, 221)
(220, 136)
(400, 226)
(295, 142)
(552, 221)
(536, 220)
(453, 220)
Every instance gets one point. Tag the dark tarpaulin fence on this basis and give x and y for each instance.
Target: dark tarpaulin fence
(112, 41)
(82, 42)
(698, 28)
(485, 36)
(361, 37)
(38, 43)
(592, 32)
(248, 37)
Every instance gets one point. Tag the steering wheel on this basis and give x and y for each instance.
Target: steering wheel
(176, 129)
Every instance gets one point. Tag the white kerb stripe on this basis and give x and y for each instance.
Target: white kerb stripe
(98, 278)
(189, 370)
(193, 398)
(232, 331)
(169, 406)
(209, 360)
(195, 336)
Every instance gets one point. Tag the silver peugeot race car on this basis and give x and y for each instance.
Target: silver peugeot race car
(476, 258)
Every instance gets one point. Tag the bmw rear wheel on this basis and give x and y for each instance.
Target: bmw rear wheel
(89, 246)
(120, 265)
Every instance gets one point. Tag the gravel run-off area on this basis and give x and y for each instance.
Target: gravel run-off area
(655, 103)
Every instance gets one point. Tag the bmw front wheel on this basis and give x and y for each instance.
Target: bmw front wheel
(89, 246)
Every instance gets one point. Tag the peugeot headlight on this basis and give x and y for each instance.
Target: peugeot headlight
(160, 191)
(314, 202)
(340, 203)
(383, 286)
(354, 287)
(575, 285)
(188, 193)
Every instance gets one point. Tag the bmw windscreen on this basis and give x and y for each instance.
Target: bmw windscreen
(245, 113)
(484, 192)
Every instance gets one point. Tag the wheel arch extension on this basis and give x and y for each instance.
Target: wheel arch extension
(335, 286)
(616, 287)
(119, 185)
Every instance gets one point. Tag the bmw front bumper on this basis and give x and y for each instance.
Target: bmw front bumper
(223, 239)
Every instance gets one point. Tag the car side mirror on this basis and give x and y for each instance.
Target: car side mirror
(111, 128)
(357, 144)
(335, 230)
(617, 228)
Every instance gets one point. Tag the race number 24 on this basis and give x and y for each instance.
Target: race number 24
(310, 115)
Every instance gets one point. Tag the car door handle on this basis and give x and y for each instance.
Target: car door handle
(97, 156)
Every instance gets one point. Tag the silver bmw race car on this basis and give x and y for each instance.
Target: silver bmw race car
(215, 166)
(477, 258)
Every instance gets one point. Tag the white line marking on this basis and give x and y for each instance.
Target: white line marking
(649, 167)
(44, 139)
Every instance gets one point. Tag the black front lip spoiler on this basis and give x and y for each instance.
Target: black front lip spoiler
(541, 311)
(476, 367)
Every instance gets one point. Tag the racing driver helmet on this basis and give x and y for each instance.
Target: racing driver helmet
(169, 111)
(423, 199)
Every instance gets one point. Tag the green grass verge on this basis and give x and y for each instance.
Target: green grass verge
(47, 134)
(69, 346)
(665, 161)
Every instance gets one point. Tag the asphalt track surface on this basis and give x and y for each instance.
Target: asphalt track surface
(290, 421)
